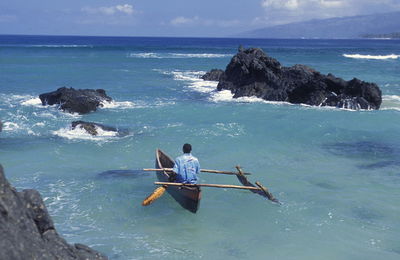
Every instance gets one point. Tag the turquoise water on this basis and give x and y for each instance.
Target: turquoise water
(337, 172)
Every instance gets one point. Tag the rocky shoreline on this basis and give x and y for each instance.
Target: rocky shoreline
(251, 72)
(28, 232)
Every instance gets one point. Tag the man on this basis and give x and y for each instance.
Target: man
(186, 166)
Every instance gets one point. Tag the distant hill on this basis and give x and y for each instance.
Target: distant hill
(339, 27)
(395, 35)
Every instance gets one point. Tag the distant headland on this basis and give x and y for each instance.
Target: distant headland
(394, 35)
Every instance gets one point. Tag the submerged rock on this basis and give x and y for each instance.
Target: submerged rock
(93, 128)
(27, 230)
(213, 75)
(72, 100)
(252, 73)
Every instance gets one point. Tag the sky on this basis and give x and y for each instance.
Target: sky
(200, 18)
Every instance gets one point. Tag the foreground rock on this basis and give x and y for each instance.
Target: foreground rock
(213, 75)
(72, 100)
(252, 73)
(94, 128)
(27, 231)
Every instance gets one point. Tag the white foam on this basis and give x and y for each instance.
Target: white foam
(391, 98)
(59, 46)
(44, 114)
(186, 75)
(199, 55)
(372, 57)
(172, 55)
(390, 102)
(32, 102)
(227, 96)
(81, 134)
(118, 104)
(195, 83)
(10, 126)
(39, 124)
(144, 55)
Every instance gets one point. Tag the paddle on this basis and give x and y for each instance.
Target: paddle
(202, 170)
(207, 185)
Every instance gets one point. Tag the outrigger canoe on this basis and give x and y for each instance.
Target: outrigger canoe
(187, 197)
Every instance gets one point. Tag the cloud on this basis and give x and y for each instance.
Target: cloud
(299, 4)
(287, 11)
(180, 20)
(278, 4)
(110, 10)
(331, 3)
(196, 20)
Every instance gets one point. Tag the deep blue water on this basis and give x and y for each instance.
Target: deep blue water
(337, 172)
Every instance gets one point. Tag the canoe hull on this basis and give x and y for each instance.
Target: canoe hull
(187, 197)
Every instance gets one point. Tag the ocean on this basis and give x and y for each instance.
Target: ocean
(336, 171)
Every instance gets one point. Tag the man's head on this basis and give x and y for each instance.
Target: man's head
(187, 148)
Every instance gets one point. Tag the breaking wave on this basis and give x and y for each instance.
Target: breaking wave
(52, 46)
(152, 55)
(372, 57)
(145, 55)
(195, 83)
(80, 134)
(200, 55)
(36, 102)
(390, 102)
(118, 104)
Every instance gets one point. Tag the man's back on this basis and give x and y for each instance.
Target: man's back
(186, 168)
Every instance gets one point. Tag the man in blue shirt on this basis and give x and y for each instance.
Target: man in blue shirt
(186, 166)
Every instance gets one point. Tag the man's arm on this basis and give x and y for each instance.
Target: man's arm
(176, 166)
(197, 167)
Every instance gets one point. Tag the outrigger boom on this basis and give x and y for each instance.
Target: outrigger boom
(202, 170)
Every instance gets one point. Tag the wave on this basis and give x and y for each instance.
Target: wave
(371, 57)
(81, 134)
(390, 102)
(195, 83)
(10, 126)
(144, 55)
(27, 100)
(22, 127)
(36, 102)
(200, 55)
(48, 46)
(152, 55)
(118, 104)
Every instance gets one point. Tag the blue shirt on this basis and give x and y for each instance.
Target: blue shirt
(186, 168)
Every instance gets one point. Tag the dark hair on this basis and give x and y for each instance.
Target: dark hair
(187, 148)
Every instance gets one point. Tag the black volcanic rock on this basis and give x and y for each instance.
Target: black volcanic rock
(213, 75)
(27, 230)
(92, 128)
(252, 73)
(72, 100)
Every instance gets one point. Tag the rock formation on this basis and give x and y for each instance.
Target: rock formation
(213, 75)
(27, 231)
(93, 128)
(252, 73)
(72, 100)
